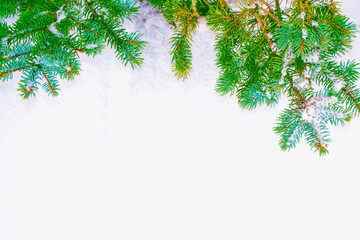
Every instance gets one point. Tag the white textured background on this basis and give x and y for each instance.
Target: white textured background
(130, 155)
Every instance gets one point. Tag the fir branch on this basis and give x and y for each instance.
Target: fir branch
(278, 9)
(2, 74)
(262, 52)
(290, 127)
(53, 88)
(270, 14)
(28, 83)
(82, 25)
(185, 19)
(261, 24)
(50, 34)
(181, 49)
(128, 46)
(16, 56)
(317, 137)
(353, 99)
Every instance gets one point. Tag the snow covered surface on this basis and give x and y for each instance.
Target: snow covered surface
(123, 154)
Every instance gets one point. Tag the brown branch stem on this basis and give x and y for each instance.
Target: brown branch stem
(48, 82)
(83, 25)
(12, 71)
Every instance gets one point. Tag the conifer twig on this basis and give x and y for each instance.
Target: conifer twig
(53, 91)
(12, 71)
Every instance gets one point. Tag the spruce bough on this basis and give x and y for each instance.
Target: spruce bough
(45, 41)
(265, 49)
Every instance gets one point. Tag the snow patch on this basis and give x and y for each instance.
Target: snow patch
(274, 47)
(268, 95)
(53, 29)
(314, 24)
(287, 60)
(304, 33)
(318, 111)
(42, 13)
(37, 60)
(91, 46)
(338, 85)
(301, 83)
(302, 15)
(313, 58)
(309, 114)
(11, 20)
(60, 15)
(4, 42)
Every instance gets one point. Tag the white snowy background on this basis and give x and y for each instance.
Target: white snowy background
(131, 155)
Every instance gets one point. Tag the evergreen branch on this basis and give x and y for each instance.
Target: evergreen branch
(52, 87)
(91, 8)
(293, 91)
(181, 50)
(262, 52)
(118, 9)
(83, 25)
(127, 53)
(270, 14)
(25, 34)
(261, 24)
(316, 136)
(278, 9)
(290, 128)
(53, 91)
(17, 55)
(24, 87)
(12, 71)
(353, 100)
(186, 17)
(26, 93)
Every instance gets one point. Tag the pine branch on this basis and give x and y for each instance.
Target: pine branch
(28, 83)
(290, 128)
(127, 46)
(278, 9)
(185, 17)
(317, 137)
(263, 51)
(2, 74)
(82, 25)
(50, 34)
(51, 84)
(16, 56)
(353, 100)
